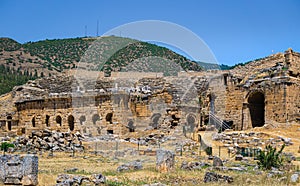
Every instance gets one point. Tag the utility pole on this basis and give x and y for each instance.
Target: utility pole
(97, 33)
(85, 31)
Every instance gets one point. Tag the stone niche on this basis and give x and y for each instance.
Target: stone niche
(19, 170)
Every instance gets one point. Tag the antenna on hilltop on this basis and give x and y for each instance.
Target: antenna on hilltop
(97, 34)
(85, 31)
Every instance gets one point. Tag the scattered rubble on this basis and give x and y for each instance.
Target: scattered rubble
(135, 165)
(49, 141)
(68, 179)
(193, 165)
(214, 177)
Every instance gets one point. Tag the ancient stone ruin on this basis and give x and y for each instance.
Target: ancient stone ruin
(19, 170)
(264, 91)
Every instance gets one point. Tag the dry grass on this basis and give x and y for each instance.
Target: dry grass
(88, 163)
(49, 168)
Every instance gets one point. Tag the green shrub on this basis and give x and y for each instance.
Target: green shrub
(270, 158)
(208, 151)
(5, 146)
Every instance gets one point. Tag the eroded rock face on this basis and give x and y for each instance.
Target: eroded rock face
(16, 169)
(165, 160)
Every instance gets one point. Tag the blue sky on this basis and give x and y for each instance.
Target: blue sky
(235, 30)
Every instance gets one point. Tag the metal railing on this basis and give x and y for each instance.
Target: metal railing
(217, 122)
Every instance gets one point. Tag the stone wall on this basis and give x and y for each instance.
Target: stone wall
(260, 92)
(272, 79)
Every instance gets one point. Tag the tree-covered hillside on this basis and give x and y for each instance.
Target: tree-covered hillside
(10, 78)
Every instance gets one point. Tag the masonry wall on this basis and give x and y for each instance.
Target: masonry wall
(88, 115)
(293, 102)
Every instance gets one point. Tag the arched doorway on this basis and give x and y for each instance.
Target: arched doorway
(155, 120)
(257, 109)
(33, 121)
(9, 118)
(95, 118)
(71, 122)
(58, 120)
(82, 119)
(131, 126)
(191, 122)
(108, 117)
(47, 121)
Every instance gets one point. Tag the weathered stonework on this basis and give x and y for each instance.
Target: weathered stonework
(263, 91)
(15, 169)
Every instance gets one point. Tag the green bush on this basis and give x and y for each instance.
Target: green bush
(270, 158)
(208, 151)
(5, 146)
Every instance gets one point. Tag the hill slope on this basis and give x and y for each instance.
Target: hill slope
(51, 57)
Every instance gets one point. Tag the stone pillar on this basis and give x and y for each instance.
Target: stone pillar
(30, 170)
(165, 160)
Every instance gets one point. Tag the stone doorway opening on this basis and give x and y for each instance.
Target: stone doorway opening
(47, 121)
(33, 121)
(108, 117)
(58, 120)
(257, 109)
(96, 118)
(82, 119)
(71, 122)
(9, 118)
(110, 131)
(131, 126)
(191, 122)
(155, 120)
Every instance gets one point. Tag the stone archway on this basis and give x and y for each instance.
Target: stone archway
(256, 106)
(82, 119)
(191, 121)
(58, 120)
(108, 117)
(9, 118)
(131, 126)
(47, 119)
(71, 122)
(155, 120)
(95, 118)
(33, 121)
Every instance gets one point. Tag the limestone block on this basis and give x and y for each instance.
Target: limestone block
(165, 160)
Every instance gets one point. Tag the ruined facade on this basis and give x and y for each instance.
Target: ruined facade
(263, 91)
